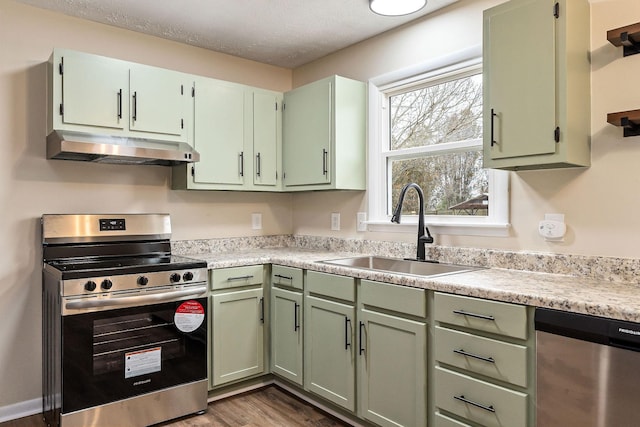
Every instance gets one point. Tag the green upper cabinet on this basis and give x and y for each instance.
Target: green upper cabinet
(91, 93)
(324, 135)
(237, 132)
(537, 84)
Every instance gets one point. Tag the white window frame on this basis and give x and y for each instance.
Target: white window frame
(462, 63)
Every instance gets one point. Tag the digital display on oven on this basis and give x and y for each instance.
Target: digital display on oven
(112, 224)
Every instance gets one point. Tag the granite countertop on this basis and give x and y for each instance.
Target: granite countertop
(557, 291)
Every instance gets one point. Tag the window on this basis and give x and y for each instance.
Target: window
(426, 127)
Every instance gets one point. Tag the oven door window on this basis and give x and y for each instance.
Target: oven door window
(116, 354)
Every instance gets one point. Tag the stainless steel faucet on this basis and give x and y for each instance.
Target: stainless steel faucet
(422, 239)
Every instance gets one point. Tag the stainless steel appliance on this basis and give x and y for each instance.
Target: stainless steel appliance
(124, 322)
(588, 370)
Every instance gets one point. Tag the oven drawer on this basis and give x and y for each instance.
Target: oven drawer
(235, 277)
(495, 359)
(479, 401)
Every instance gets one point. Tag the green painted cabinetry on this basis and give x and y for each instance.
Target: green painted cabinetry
(329, 347)
(484, 354)
(237, 131)
(237, 324)
(286, 323)
(324, 141)
(392, 348)
(95, 94)
(537, 84)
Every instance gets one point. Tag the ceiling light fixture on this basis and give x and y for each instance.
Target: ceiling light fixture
(396, 7)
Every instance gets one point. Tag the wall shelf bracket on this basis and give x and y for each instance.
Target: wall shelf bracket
(628, 37)
(628, 120)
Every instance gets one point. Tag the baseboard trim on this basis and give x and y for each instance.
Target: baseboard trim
(20, 409)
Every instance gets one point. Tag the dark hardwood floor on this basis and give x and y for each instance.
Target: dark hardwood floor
(266, 407)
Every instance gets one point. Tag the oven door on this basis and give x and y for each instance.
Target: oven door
(115, 354)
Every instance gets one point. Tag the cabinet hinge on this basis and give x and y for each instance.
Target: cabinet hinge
(62, 109)
(61, 68)
(556, 134)
(193, 171)
(556, 10)
(181, 123)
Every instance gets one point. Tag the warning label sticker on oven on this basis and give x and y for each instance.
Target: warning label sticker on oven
(189, 316)
(142, 362)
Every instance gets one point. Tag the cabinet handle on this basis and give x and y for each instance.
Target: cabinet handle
(241, 159)
(493, 139)
(324, 161)
(477, 316)
(261, 309)
(120, 104)
(135, 106)
(476, 404)
(475, 356)
(360, 347)
(231, 279)
(280, 276)
(347, 329)
(296, 324)
(258, 164)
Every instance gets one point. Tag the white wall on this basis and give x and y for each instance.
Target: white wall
(31, 185)
(599, 203)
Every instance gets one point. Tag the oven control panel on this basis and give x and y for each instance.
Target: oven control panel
(112, 224)
(129, 282)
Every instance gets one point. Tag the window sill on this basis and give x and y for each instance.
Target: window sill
(442, 227)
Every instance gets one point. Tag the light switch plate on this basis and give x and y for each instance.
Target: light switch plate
(335, 221)
(256, 221)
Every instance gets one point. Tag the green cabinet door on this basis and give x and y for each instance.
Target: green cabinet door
(286, 334)
(237, 335)
(392, 370)
(329, 351)
(307, 134)
(266, 129)
(94, 90)
(219, 115)
(157, 100)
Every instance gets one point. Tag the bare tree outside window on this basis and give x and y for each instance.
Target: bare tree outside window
(435, 116)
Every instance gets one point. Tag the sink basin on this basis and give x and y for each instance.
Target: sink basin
(403, 266)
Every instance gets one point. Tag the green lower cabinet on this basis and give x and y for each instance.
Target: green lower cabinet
(392, 370)
(238, 331)
(286, 334)
(329, 351)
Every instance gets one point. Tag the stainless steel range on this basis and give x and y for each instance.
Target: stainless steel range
(124, 322)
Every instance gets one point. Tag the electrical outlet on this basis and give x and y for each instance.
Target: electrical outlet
(361, 221)
(335, 221)
(256, 221)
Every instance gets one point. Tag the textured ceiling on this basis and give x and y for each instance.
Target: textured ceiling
(286, 33)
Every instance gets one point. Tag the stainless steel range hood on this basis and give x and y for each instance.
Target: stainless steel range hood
(66, 145)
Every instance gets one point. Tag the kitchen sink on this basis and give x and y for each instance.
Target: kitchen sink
(403, 266)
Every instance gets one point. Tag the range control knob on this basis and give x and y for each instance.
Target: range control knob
(187, 276)
(175, 277)
(106, 284)
(143, 280)
(90, 286)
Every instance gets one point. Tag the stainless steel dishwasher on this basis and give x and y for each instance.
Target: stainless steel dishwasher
(588, 371)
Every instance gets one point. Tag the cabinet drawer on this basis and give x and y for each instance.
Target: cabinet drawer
(443, 421)
(286, 276)
(331, 285)
(491, 316)
(401, 299)
(236, 277)
(496, 359)
(479, 401)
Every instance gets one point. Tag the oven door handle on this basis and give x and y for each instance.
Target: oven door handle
(136, 300)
